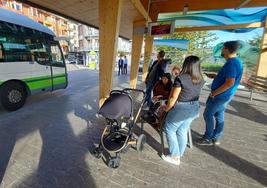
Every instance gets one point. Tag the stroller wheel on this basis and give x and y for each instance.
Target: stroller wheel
(141, 142)
(114, 162)
(98, 152)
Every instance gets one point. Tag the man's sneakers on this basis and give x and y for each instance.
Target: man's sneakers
(169, 159)
(205, 142)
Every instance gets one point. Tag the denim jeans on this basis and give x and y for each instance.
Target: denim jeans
(177, 124)
(149, 88)
(214, 110)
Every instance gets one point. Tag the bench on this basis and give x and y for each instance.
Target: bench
(256, 83)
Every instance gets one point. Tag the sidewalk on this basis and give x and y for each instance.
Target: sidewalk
(48, 146)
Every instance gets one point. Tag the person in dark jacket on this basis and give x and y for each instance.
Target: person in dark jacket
(161, 91)
(163, 87)
(120, 65)
(155, 73)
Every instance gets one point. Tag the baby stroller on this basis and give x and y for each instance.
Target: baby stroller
(118, 134)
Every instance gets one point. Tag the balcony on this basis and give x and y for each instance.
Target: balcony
(48, 22)
(63, 27)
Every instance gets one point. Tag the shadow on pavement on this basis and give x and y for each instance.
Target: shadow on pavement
(243, 166)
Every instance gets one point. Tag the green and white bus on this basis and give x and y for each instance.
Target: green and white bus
(31, 60)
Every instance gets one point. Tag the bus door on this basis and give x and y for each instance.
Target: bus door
(58, 67)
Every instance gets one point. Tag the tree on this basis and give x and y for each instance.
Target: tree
(199, 42)
(256, 41)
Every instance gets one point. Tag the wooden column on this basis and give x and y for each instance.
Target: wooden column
(262, 65)
(137, 42)
(147, 56)
(109, 22)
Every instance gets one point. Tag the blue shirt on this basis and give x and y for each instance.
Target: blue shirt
(233, 68)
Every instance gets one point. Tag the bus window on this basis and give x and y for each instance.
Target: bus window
(57, 58)
(24, 48)
(15, 52)
(39, 53)
(1, 54)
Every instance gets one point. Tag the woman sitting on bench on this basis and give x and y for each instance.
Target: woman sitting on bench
(182, 108)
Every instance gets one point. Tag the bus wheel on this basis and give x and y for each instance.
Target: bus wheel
(12, 96)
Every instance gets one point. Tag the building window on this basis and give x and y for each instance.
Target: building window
(18, 7)
(31, 11)
(81, 44)
(34, 12)
(5, 3)
(80, 30)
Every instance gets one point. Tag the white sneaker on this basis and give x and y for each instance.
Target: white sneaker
(169, 159)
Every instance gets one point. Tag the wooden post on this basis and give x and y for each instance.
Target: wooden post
(109, 22)
(148, 50)
(137, 42)
(262, 65)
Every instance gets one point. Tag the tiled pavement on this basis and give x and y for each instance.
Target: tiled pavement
(46, 145)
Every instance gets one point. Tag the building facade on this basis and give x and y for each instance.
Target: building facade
(73, 36)
(88, 38)
(56, 23)
(89, 44)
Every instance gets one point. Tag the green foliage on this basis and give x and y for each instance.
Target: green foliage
(199, 43)
(211, 67)
(256, 41)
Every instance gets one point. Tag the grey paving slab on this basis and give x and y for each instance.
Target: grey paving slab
(48, 142)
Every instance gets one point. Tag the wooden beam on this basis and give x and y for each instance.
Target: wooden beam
(147, 56)
(137, 41)
(109, 22)
(220, 27)
(262, 65)
(139, 6)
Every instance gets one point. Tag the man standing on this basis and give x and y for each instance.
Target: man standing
(223, 89)
(120, 65)
(125, 65)
(155, 73)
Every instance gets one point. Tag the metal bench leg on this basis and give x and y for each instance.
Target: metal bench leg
(161, 133)
(251, 94)
(190, 139)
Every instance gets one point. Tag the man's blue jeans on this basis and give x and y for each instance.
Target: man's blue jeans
(214, 111)
(177, 124)
(149, 88)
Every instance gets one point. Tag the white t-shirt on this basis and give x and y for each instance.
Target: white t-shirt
(125, 62)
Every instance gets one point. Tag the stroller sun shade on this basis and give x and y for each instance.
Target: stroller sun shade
(116, 106)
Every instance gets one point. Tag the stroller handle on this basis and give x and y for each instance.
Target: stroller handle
(136, 90)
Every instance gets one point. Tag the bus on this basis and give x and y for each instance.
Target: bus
(31, 60)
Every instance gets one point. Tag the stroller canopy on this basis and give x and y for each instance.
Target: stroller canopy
(116, 106)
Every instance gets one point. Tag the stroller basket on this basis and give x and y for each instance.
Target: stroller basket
(115, 140)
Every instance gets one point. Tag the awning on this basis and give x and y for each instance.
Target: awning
(217, 18)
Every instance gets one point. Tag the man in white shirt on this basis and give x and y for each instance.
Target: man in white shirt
(125, 65)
